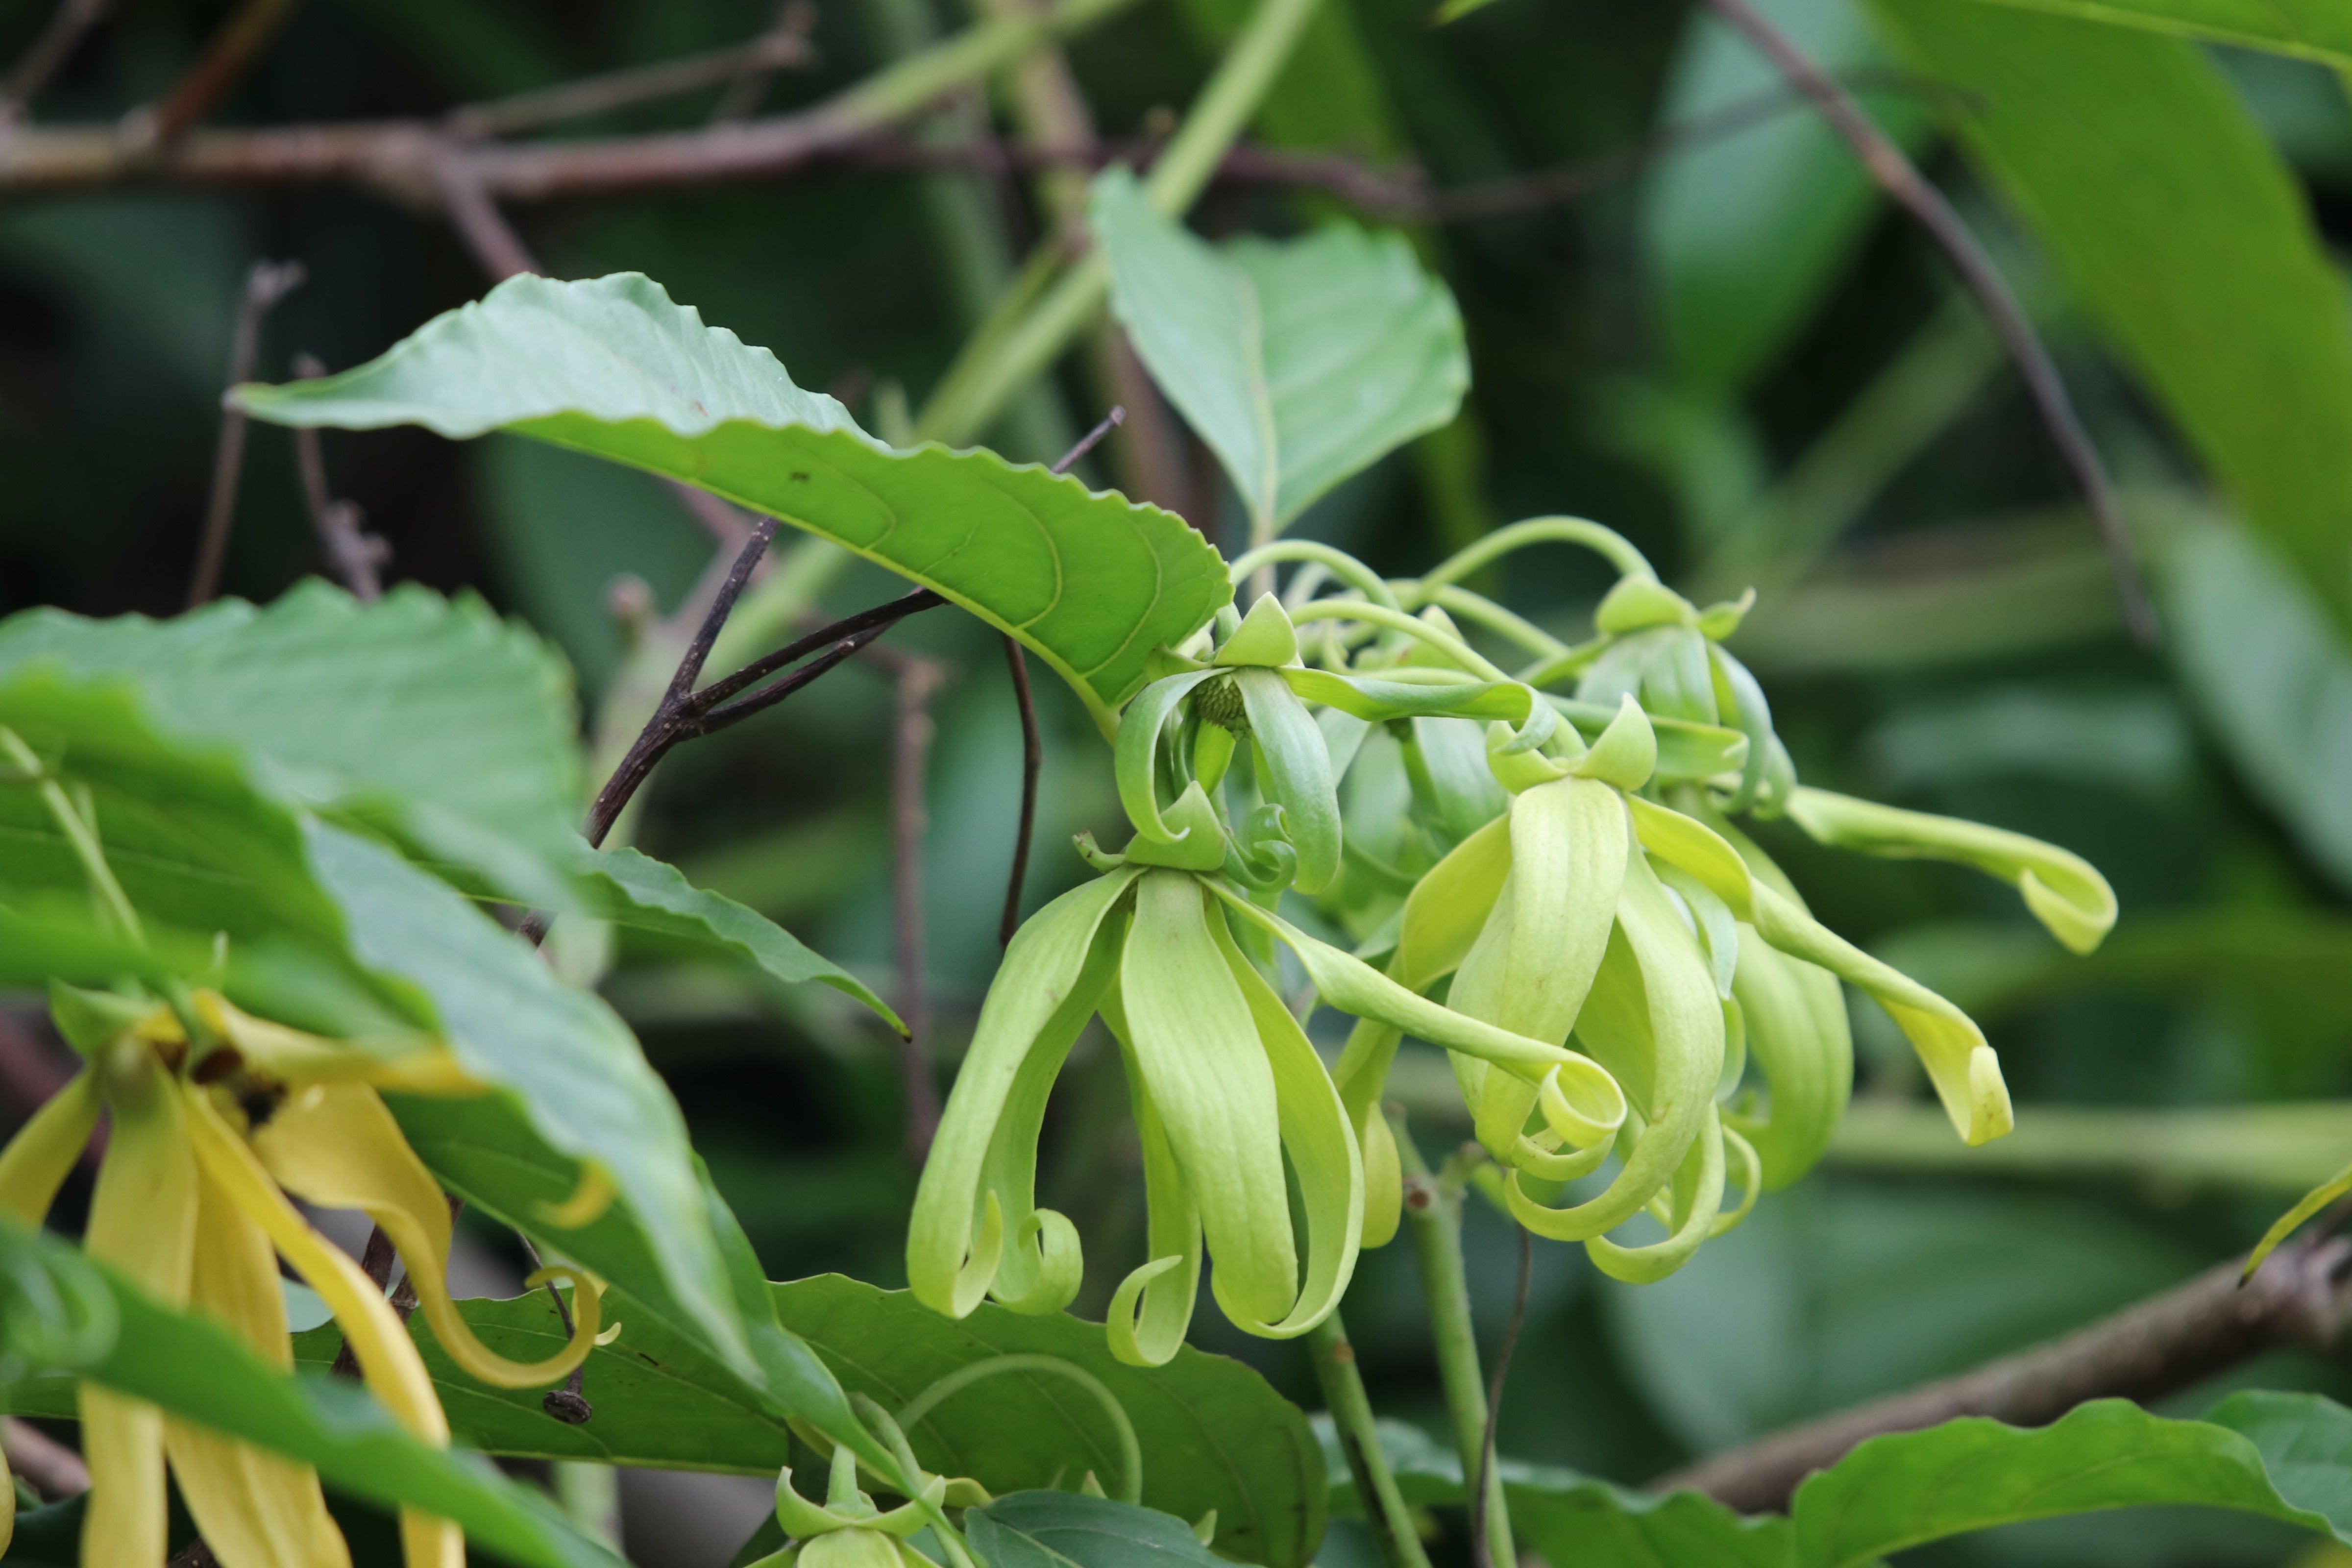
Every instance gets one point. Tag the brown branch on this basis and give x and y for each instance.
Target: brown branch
(1896, 176)
(48, 52)
(756, 60)
(55, 1470)
(2157, 1347)
(375, 1261)
(909, 767)
(478, 222)
(265, 285)
(353, 553)
(225, 59)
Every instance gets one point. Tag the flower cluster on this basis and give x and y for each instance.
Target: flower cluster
(1549, 886)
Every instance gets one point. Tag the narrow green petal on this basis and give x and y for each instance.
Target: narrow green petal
(1197, 1047)
(1652, 1020)
(2065, 891)
(1321, 1146)
(1042, 995)
(1295, 774)
(1136, 753)
(1798, 1037)
(1152, 1307)
(2310, 1204)
(1696, 1201)
(1449, 905)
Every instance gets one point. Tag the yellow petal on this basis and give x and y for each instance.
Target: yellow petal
(143, 1223)
(389, 1363)
(7, 1506)
(37, 1160)
(254, 1507)
(336, 1145)
(415, 1066)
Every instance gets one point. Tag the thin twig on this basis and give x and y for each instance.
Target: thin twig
(375, 1261)
(1091, 439)
(352, 552)
(741, 98)
(478, 222)
(55, 45)
(225, 59)
(1478, 1553)
(1033, 760)
(909, 765)
(2299, 1298)
(567, 1404)
(1901, 180)
(55, 1470)
(265, 285)
(754, 60)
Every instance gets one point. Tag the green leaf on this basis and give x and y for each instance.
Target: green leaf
(1213, 1434)
(1573, 1520)
(1067, 1529)
(2272, 677)
(2172, 219)
(577, 1071)
(193, 1367)
(1748, 234)
(433, 717)
(613, 367)
(651, 895)
(1299, 364)
(2284, 1456)
(2313, 29)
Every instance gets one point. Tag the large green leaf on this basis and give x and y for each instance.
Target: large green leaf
(613, 367)
(453, 728)
(1067, 1529)
(2167, 212)
(1299, 364)
(2313, 29)
(1748, 234)
(1213, 1434)
(193, 1367)
(2286, 1456)
(2272, 677)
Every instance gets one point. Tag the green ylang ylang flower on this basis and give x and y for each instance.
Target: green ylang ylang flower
(1227, 1089)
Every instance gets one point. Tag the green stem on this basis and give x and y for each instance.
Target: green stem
(1360, 1439)
(1338, 562)
(989, 372)
(911, 85)
(1593, 536)
(1131, 1451)
(1432, 1213)
(1453, 647)
(80, 833)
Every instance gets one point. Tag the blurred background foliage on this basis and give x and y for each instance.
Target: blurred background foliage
(1738, 356)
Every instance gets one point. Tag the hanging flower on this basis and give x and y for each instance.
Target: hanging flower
(210, 1135)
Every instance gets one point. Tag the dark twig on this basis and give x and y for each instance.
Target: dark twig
(794, 18)
(195, 1554)
(1901, 180)
(1091, 439)
(2160, 1346)
(1033, 760)
(753, 61)
(55, 1470)
(1479, 1553)
(65, 30)
(478, 222)
(265, 285)
(909, 765)
(353, 552)
(375, 1262)
(566, 1404)
(225, 59)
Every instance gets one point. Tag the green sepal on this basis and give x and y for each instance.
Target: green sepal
(1265, 637)
(90, 1020)
(1626, 754)
(1639, 601)
(1198, 843)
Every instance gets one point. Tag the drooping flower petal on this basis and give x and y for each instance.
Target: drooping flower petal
(1294, 772)
(1652, 1020)
(1197, 1047)
(1803, 1045)
(983, 1159)
(2065, 891)
(254, 1509)
(389, 1363)
(1152, 1307)
(1695, 1201)
(1136, 761)
(143, 1223)
(419, 1065)
(39, 1158)
(1321, 1147)
(335, 1145)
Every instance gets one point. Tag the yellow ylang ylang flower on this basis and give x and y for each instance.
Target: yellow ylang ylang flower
(209, 1136)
